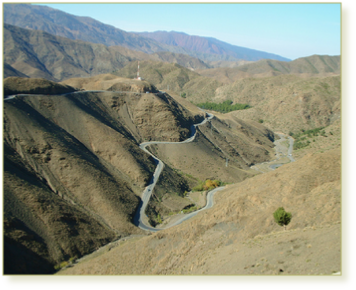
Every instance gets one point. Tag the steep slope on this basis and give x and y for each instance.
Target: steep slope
(211, 48)
(41, 229)
(238, 236)
(74, 170)
(73, 163)
(38, 54)
(73, 27)
(42, 55)
(61, 179)
(9, 71)
(62, 24)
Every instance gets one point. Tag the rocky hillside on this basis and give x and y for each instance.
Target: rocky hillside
(74, 171)
(38, 54)
(42, 55)
(66, 25)
(238, 236)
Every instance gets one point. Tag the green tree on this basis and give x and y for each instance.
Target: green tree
(282, 217)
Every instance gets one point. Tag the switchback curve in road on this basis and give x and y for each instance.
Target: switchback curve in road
(140, 215)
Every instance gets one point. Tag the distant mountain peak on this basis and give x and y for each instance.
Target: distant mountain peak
(63, 24)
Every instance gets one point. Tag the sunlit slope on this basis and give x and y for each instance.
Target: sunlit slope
(239, 236)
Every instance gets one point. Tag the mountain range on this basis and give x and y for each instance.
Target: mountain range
(210, 48)
(74, 27)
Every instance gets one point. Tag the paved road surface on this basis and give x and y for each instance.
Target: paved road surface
(140, 218)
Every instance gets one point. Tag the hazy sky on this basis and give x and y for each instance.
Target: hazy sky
(289, 30)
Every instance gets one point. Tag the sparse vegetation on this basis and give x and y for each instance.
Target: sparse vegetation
(304, 134)
(224, 107)
(207, 185)
(190, 208)
(282, 217)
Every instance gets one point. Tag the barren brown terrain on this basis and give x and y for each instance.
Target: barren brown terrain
(79, 151)
(239, 236)
(75, 175)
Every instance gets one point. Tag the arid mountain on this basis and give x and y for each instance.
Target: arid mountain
(307, 95)
(73, 27)
(38, 54)
(321, 65)
(286, 102)
(74, 171)
(239, 236)
(212, 49)
(172, 77)
(62, 24)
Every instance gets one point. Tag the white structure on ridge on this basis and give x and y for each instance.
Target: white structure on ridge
(138, 72)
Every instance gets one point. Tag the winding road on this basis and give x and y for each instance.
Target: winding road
(140, 218)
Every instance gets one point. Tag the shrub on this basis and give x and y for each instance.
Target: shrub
(198, 187)
(211, 184)
(260, 121)
(207, 185)
(282, 217)
(159, 219)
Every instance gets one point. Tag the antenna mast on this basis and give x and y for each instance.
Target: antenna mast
(138, 70)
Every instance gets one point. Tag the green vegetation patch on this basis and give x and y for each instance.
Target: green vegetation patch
(224, 107)
(304, 134)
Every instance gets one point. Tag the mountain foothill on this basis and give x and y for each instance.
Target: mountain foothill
(75, 113)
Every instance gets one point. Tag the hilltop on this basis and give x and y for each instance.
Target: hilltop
(173, 78)
(21, 85)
